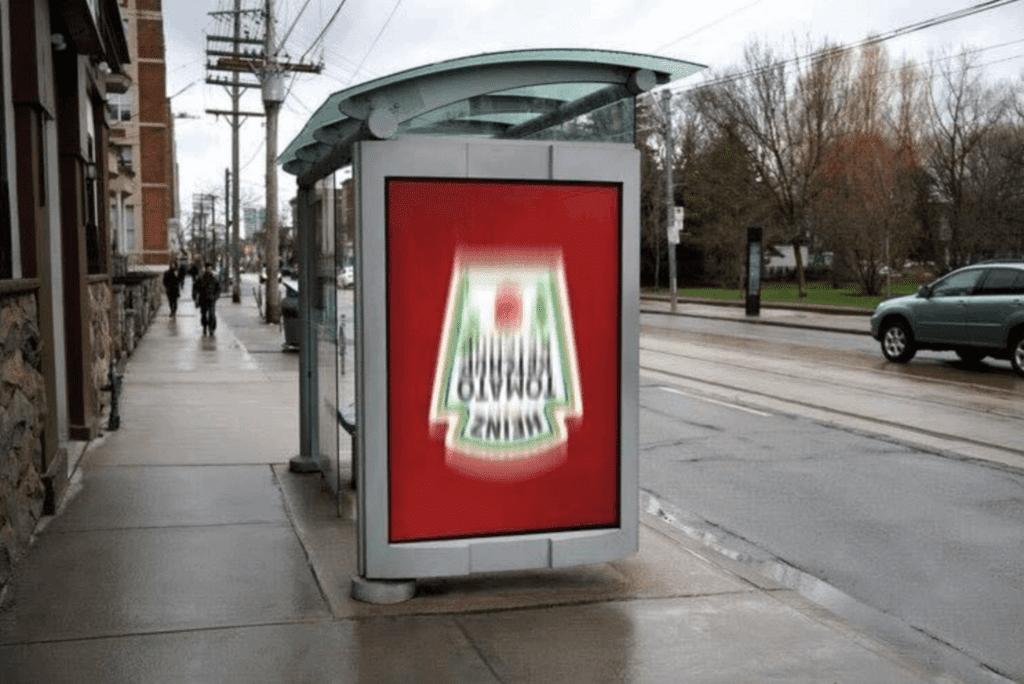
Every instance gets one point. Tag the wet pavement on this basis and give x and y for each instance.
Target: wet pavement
(187, 551)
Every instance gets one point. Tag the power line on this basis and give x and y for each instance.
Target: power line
(374, 44)
(1004, 59)
(337, 55)
(324, 32)
(708, 25)
(259, 149)
(870, 40)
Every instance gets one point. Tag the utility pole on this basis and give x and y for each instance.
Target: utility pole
(228, 221)
(273, 96)
(213, 229)
(670, 202)
(201, 199)
(233, 61)
(202, 229)
(269, 71)
(236, 93)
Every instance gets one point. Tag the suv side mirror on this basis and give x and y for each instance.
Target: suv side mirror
(925, 291)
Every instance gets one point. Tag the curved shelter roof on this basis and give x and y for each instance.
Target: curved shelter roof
(510, 95)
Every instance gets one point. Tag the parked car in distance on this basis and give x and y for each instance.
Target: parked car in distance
(976, 311)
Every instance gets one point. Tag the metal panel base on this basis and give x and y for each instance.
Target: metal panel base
(382, 591)
(303, 464)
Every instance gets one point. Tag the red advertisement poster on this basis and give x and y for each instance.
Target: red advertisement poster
(503, 357)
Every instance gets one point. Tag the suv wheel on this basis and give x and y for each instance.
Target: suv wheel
(898, 342)
(971, 356)
(1017, 353)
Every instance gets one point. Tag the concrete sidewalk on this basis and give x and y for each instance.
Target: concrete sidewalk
(189, 553)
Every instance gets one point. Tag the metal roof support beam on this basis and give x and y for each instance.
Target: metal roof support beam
(313, 153)
(639, 82)
(340, 132)
(324, 160)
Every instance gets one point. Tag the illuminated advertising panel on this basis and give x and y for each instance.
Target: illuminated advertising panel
(503, 348)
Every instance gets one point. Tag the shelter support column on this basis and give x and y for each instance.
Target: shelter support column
(307, 459)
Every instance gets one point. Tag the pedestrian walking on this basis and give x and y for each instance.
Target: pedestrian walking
(208, 290)
(172, 288)
(193, 270)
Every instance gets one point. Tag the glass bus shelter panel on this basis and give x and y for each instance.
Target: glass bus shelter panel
(324, 322)
(612, 123)
(497, 114)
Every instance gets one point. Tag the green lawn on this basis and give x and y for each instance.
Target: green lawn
(817, 293)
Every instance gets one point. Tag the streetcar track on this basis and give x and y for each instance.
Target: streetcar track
(878, 391)
(1009, 393)
(839, 412)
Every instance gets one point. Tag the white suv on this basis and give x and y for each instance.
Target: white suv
(976, 311)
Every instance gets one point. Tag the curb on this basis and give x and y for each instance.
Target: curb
(778, 324)
(792, 306)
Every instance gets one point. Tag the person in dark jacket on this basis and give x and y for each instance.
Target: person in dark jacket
(207, 291)
(172, 287)
(193, 270)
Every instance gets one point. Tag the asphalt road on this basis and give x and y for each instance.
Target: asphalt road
(908, 499)
(841, 347)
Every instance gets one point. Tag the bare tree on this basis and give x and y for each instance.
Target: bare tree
(649, 141)
(865, 203)
(866, 207)
(868, 108)
(963, 112)
(786, 120)
(910, 111)
(722, 197)
(1014, 157)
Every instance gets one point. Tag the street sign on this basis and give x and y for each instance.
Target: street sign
(676, 227)
(754, 268)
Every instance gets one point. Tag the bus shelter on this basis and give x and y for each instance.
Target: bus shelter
(496, 310)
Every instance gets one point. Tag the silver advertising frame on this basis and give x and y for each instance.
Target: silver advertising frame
(514, 160)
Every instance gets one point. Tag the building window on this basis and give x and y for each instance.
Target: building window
(115, 228)
(119, 107)
(129, 228)
(124, 159)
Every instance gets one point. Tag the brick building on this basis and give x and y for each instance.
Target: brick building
(141, 154)
(63, 311)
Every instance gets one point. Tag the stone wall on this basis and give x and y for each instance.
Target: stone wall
(121, 312)
(102, 340)
(22, 412)
(136, 298)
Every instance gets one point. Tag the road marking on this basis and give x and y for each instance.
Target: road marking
(715, 401)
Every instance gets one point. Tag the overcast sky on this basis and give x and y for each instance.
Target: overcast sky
(373, 38)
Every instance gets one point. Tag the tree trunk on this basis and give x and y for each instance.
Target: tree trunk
(800, 283)
(657, 264)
